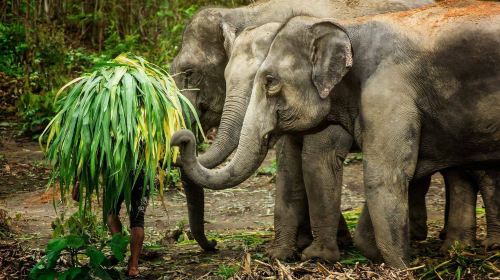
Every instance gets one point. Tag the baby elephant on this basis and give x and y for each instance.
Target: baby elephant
(419, 91)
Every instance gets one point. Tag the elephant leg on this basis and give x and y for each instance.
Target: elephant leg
(364, 237)
(304, 234)
(444, 230)
(489, 187)
(290, 209)
(418, 211)
(196, 211)
(461, 225)
(387, 200)
(323, 154)
(391, 138)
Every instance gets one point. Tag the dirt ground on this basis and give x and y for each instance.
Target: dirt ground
(241, 219)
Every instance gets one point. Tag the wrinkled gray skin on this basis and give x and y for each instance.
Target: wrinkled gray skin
(389, 91)
(461, 224)
(489, 188)
(200, 64)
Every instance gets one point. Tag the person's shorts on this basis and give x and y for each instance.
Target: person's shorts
(138, 204)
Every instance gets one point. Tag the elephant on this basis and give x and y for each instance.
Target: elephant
(418, 91)
(200, 65)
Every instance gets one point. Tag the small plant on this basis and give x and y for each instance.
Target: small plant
(357, 157)
(353, 256)
(174, 177)
(76, 250)
(480, 212)
(81, 223)
(250, 239)
(269, 170)
(226, 271)
(75, 257)
(202, 146)
(463, 264)
(351, 218)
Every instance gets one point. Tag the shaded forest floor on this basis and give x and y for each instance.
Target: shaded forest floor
(240, 220)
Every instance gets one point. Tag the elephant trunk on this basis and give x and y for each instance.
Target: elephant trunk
(228, 134)
(196, 203)
(258, 125)
(247, 159)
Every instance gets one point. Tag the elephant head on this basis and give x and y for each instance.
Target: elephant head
(199, 66)
(249, 51)
(290, 94)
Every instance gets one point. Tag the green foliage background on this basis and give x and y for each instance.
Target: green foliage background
(47, 43)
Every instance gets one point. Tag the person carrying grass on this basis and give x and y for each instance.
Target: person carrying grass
(139, 203)
(111, 136)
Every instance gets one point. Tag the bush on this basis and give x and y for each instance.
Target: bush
(36, 111)
(13, 47)
(77, 250)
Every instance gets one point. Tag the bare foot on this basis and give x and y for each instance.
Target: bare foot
(133, 271)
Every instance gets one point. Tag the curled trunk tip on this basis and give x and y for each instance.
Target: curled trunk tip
(182, 137)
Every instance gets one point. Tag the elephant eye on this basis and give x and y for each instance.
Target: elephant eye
(273, 85)
(191, 77)
(188, 72)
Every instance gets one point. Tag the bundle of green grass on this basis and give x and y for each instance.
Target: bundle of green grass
(113, 124)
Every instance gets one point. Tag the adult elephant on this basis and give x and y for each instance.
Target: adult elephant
(368, 76)
(206, 47)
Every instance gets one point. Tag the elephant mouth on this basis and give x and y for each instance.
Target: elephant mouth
(268, 141)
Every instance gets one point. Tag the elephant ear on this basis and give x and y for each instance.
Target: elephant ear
(331, 56)
(229, 34)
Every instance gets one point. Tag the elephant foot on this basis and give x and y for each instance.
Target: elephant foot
(209, 246)
(450, 241)
(368, 247)
(442, 234)
(318, 250)
(418, 234)
(364, 238)
(418, 228)
(284, 253)
(492, 243)
(304, 239)
(465, 236)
